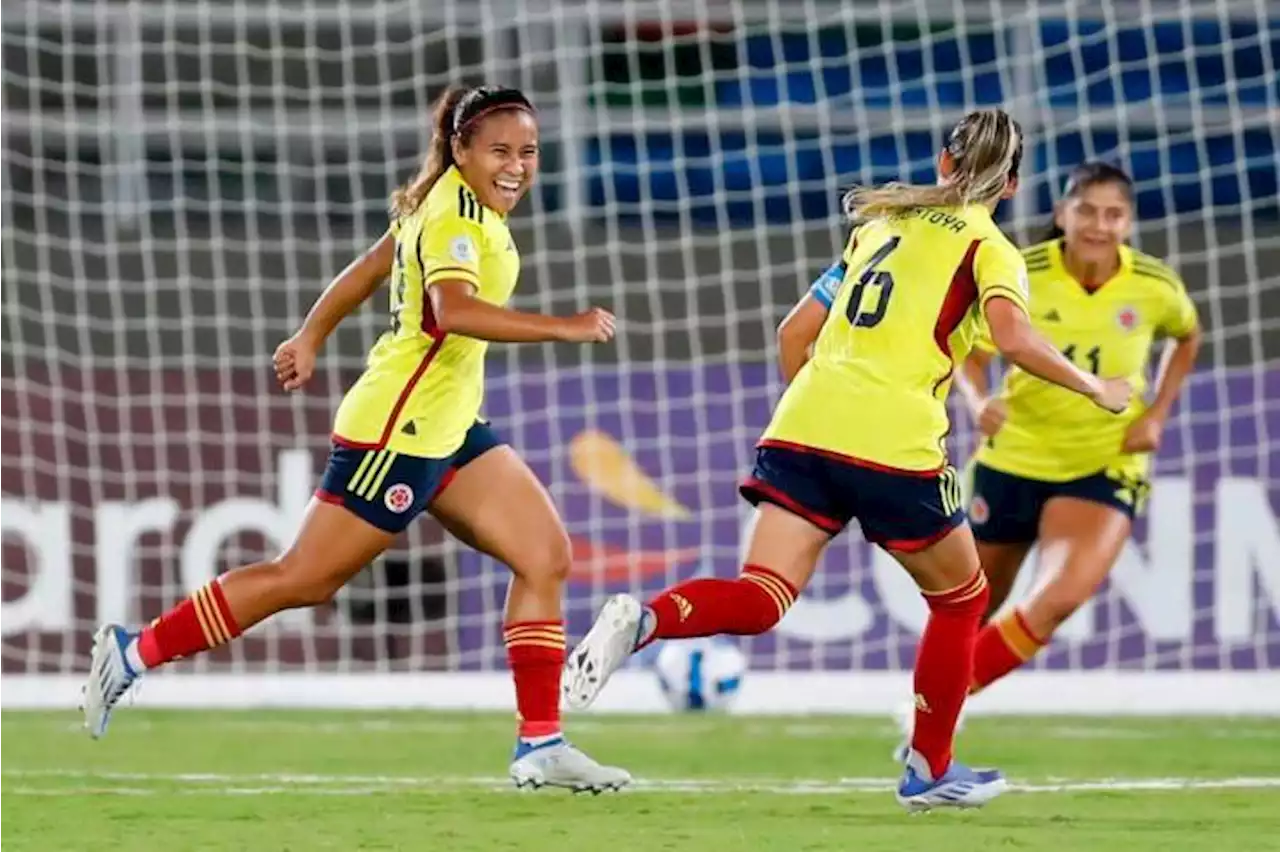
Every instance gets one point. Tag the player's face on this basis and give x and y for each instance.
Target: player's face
(502, 159)
(1096, 220)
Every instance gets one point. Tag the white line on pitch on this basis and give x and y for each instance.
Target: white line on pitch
(370, 784)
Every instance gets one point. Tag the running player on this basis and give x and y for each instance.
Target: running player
(408, 437)
(1050, 468)
(859, 434)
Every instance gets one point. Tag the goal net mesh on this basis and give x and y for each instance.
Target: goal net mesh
(182, 178)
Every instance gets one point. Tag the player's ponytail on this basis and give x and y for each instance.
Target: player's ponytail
(439, 158)
(456, 115)
(986, 147)
(1083, 176)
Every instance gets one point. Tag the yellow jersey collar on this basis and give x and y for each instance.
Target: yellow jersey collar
(1059, 264)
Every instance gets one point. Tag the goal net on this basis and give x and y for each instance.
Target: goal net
(181, 178)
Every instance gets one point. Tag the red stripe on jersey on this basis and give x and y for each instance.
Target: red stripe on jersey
(408, 389)
(843, 459)
(961, 294)
(351, 445)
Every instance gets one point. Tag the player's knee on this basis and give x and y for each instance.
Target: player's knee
(297, 586)
(548, 561)
(1058, 602)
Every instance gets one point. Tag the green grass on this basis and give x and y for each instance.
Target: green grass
(424, 781)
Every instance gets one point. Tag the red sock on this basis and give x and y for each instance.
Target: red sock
(535, 653)
(1002, 646)
(201, 622)
(751, 604)
(944, 667)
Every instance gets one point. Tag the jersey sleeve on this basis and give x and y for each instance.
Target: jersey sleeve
(449, 248)
(1179, 317)
(825, 287)
(1000, 271)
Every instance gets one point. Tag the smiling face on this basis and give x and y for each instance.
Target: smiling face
(500, 159)
(1096, 219)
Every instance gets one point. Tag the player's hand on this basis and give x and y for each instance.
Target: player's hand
(591, 326)
(295, 361)
(1113, 395)
(991, 416)
(1143, 434)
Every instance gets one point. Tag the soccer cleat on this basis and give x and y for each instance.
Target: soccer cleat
(604, 649)
(905, 718)
(560, 764)
(110, 677)
(960, 787)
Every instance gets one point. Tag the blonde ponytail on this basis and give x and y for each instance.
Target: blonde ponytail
(987, 149)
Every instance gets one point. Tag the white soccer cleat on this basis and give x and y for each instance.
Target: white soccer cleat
(561, 764)
(607, 645)
(110, 677)
(905, 718)
(961, 787)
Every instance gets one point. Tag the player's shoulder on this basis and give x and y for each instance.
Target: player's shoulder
(1149, 267)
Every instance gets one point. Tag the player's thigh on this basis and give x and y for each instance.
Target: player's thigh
(785, 543)
(497, 505)
(919, 519)
(332, 545)
(943, 564)
(1080, 541)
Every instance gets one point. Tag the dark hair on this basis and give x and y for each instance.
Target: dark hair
(987, 148)
(456, 114)
(1085, 175)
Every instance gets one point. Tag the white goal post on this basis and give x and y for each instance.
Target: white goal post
(181, 177)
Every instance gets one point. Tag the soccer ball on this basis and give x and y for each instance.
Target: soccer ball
(700, 674)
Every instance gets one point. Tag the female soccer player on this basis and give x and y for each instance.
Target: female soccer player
(1053, 469)
(859, 432)
(407, 437)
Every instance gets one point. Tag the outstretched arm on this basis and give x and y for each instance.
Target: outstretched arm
(360, 280)
(458, 311)
(1020, 344)
(295, 359)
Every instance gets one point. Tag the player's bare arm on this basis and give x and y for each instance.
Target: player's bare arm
(796, 334)
(1020, 344)
(295, 358)
(1178, 360)
(458, 311)
(988, 411)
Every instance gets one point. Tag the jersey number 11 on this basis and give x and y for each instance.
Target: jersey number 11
(872, 277)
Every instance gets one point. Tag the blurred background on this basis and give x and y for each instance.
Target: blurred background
(181, 178)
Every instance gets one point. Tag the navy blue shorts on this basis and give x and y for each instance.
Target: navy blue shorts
(389, 489)
(1005, 509)
(898, 510)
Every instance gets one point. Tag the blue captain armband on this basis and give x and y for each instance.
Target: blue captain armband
(826, 286)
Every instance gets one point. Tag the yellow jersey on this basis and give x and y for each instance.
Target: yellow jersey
(904, 314)
(1052, 434)
(422, 389)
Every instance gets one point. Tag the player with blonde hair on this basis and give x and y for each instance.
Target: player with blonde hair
(859, 434)
(408, 437)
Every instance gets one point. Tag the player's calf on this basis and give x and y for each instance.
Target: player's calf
(751, 604)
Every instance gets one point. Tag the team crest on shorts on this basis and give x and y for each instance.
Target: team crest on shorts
(398, 498)
(979, 511)
(1128, 318)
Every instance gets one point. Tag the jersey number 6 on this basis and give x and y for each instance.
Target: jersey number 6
(872, 277)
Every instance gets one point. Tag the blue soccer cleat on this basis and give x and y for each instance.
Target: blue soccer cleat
(960, 787)
(110, 677)
(558, 763)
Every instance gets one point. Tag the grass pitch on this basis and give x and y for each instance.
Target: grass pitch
(425, 781)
